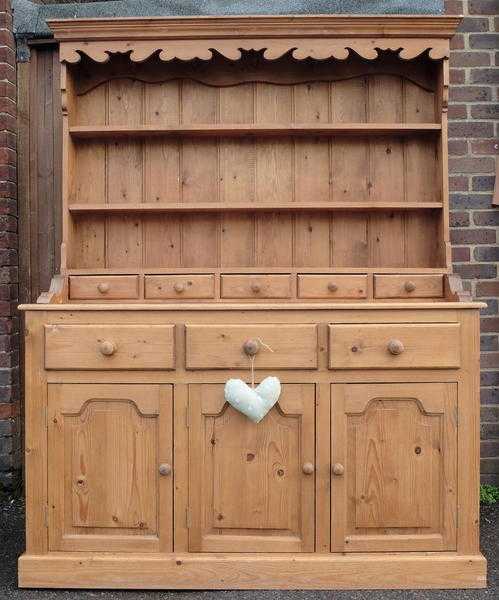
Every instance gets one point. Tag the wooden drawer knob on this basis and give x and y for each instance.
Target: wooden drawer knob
(251, 347)
(332, 287)
(338, 469)
(179, 287)
(103, 287)
(107, 348)
(395, 347)
(256, 288)
(165, 469)
(308, 468)
(409, 286)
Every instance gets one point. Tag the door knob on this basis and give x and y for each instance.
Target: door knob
(308, 468)
(251, 347)
(107, 348)
(395, 347)
(165, 469)
(103, 287)
(338, 469)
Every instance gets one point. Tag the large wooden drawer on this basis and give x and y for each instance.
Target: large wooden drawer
(103, 287)
(394, 346)
(332, 286)
(95, 347)
(179, 286)
(256, 286)
(222, 346)
(408, 286)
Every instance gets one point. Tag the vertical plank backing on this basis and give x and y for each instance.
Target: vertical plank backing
(161, 233)
(199, 176)
(274, 231)
(312, 175)
(124, 175)
(386, 230)
(349, 174)
(90, 185)
(237, 177)
(421, 160)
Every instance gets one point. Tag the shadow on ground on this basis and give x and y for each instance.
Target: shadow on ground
(12, 545)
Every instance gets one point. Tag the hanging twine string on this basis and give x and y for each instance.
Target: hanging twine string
(252, 361)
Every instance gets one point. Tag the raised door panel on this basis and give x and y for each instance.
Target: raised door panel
(393, 467)
(249, 490)
(106, 443)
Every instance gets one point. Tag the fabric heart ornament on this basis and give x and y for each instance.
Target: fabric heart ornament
(255, 403)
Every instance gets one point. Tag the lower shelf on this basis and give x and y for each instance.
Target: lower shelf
(255, 571)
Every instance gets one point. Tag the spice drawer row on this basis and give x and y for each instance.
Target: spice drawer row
(254, 286)
(228, 346)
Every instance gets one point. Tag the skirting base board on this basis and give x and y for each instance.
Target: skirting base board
(256, 571)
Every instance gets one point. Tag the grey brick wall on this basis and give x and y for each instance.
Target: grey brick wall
(473, 146)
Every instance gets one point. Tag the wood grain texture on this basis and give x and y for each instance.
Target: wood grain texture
(367, 346)
(222, 347)
(248, 492)
(397, 444)
(105, 445)
(119, 287)
(132, 347)
(290, 571)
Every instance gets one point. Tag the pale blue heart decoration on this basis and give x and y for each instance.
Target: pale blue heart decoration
(255, 403)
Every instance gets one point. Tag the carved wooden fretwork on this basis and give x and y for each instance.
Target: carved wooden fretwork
(221, 71)
(318, 49)
(305, 37)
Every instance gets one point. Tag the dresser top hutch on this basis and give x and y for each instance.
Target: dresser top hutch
(249, 159)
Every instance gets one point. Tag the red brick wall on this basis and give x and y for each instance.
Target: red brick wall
(9, 338)
(473, 144)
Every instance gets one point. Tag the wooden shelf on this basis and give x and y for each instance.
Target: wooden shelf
(111, 131)
(217, 270)
(176, 207)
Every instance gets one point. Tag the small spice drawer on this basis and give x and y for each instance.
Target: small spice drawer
(115, 287)
(256, 286)
(332, 286)
(227, 346)
(394, 346)
(408, 286)
(179, 286)
(103, 347)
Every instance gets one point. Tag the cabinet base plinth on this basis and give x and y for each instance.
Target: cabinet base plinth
(258, 571)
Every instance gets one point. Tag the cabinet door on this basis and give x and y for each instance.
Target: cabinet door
(251, 489)
(106, 443)
(393, 467)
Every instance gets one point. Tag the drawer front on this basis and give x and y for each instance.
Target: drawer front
(222, 346)
(408, 286)
(394, 346)
(179, 286)
(332, 286)
(115, 287)
(95, 347)
(256, 286)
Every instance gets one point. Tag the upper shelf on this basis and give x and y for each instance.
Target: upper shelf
(328, 129)
(250, 206)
